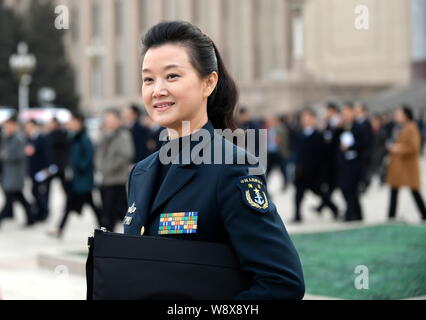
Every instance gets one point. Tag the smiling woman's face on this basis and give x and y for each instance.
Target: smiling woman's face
(172, 89)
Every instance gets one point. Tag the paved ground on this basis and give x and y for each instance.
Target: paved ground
(22, 278)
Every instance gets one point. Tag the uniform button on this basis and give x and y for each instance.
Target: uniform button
(142, 231)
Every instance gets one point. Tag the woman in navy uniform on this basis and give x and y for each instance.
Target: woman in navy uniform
(184, 79)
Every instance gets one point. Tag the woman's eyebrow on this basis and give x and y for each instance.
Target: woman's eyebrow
(170, 66)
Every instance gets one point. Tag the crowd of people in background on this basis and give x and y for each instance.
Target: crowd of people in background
(343, 150)
(44, 152)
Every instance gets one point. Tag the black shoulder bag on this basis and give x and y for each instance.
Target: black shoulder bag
(157, 268)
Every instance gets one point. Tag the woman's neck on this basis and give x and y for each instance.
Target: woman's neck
(186, 128)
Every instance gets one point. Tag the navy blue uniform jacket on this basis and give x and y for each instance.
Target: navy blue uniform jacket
(308, 160)
(350, 171)
(140, 135)
(39, 160)
(259, 239)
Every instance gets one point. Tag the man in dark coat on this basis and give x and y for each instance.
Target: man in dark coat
(308, 171)
(246, 122)
(80, 174)
(378, 154)
(331, 146)
(364, 123)
(275, 158)
(140, 133)
(57, 148)
(153, 143)
(14, 170)
(38, 163)
(350, 162)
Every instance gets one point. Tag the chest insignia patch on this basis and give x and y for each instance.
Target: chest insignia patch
(254, 193)
(127, 220)
(132, 209)
(178, 223)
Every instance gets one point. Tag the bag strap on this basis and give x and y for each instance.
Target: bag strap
(89, 270)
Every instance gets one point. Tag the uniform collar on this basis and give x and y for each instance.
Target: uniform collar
(177, 176)
(208, 126)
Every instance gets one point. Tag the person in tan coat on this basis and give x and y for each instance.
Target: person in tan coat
(404, 165)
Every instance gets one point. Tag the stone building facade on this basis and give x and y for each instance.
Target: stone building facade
(284, 54)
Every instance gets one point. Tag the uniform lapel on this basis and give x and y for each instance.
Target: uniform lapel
(146, 185)
(177, 176)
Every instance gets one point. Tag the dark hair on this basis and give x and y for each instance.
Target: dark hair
(408, 112)
(56, 121)
(332, 106)
(310, 111)
(114, 111)
(79, 117)
(136, 110)
(283, 119)
(33, 122)
(348, 104)
(206, 59)
(242, 110)
(13, 118)
(362, 105)
(379, 117)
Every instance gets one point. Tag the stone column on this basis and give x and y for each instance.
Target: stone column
(86, 67)
(154, 12)
(131, 58)
(233, 41)
(279, 38)
(297, 35)
(216, 30)
(246, 51)
(183, 10)
(418, 46)
(112, 53)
